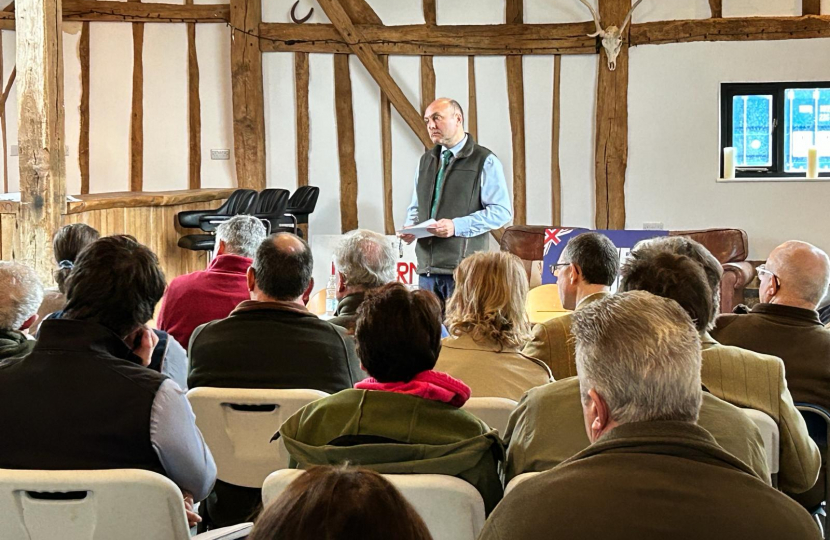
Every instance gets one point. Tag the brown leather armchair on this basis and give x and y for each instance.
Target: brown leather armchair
(729, 246)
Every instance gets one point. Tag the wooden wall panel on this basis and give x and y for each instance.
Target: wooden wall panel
(153, 226)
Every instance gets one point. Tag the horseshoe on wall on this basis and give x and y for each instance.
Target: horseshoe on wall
(294, 16)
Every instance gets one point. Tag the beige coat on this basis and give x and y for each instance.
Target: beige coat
(749, 379)
(547, 428)
(553, 344)
(488, 371)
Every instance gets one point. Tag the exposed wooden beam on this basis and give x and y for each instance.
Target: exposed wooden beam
(360, 12)
(443, 40)
(731, 29)
(107, 10)
(386, 156)
(345, 142)
(6, 20)
(40, 131)
(427, 83)
(335, 12)
(612, 126)
(716, 8)
(427, 67)
(83, 109)
(194, 111)
(472, 105)
(301, 82)
(555, 169)
(514, 14)
(811, 7)
(247, 95)
(430, 12)
(137, 117)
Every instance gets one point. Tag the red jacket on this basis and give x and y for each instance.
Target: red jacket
(200, 297)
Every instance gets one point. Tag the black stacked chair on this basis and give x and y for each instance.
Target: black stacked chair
(300, 205)
(241, 201)
(270, 208)
(818, 426)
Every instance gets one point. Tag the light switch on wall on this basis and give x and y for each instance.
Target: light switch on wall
(220, 154)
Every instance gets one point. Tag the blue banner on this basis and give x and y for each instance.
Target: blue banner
(557, 239)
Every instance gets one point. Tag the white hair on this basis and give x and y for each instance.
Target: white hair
(21, 294)
(641, 353)
(366, 259)
(242, 235)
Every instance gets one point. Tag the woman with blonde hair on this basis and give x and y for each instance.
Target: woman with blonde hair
(488, 327)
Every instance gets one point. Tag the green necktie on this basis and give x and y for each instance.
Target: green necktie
(445, 160)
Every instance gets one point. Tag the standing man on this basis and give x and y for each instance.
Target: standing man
(461, 186)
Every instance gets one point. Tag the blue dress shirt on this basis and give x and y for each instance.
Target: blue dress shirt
(497, 211)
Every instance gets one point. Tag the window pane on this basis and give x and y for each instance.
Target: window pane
(752, 130)
(806, 124)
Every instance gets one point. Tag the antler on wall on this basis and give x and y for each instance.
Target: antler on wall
(612, 37)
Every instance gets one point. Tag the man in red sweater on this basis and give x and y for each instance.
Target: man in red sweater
(207, 295)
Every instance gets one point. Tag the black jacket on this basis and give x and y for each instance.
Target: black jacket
(273, 345)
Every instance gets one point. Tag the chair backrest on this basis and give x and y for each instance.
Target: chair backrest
(304, 200)
(123, 504)
(543, 304)
(451, 508)
(317, 302)
(769, 432)
(518, 479)
(495, 411)
(271, 202)
(240, 202)
(239, 424)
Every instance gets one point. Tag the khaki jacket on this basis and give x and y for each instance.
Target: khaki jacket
(488, 371)
(553, 344)
(547, 428)
(649, 480)
(756, 381)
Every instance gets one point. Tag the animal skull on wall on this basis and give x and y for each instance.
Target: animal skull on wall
(612, 37)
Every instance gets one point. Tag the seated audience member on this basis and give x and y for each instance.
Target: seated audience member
(365, 260)
(683, 270)
(585, 273)
(651, 471)
(207, 295)
(546, 427)
(21, 293)
(67, 243)
(406, 417)
(82, 399)
(272, 341)
(786, 324)
(340, 503)
(488, 324)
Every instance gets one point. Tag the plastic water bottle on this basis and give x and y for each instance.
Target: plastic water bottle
(331, 293)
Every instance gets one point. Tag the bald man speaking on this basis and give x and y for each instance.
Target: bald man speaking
(786, 324)
(460, 185)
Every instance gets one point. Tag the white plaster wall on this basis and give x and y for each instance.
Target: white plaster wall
(9, 51)
(674, 142)
(110, 104)
(280, 120)
(72, 100)
(165, 107)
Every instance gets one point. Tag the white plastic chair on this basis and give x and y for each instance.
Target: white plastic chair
(119, 504)
(451, 508)
(518, 479)
(494, 411)
(770, 435)
(238, 425)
